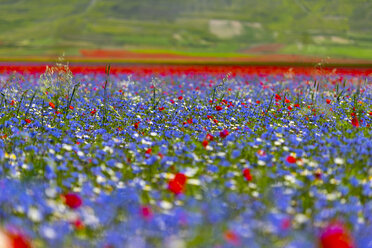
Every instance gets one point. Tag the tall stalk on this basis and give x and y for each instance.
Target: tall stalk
(108, 68)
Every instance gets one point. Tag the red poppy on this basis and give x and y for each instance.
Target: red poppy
(161, 108)
(289, 108)
(93, 112)
(297, 105)
(218, 108)
(285, 224)
(287, 100)
(258, 102)
(27, 121)
(78, 224)
(318, 175)
(136, 125)
(52, 105)
(335, 235)
(12, 103)
(232, 238)
(224, 133)
(328, 101)
(355, 122)
(205, 143)
(72, 200)
(160, 155)
(71, 107)
(247, 174)
(209, 137)
(18, 240)
(277, 97)
(149, 151)
(175, 187)
(291, 159)
(146, 212)
(189, 121)
(180, 98)
(177, 184)
(261, 152)
(180, 177)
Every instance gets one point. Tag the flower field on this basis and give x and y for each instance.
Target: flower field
(198, 157)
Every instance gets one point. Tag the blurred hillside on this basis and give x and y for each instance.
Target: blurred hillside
(333, 28)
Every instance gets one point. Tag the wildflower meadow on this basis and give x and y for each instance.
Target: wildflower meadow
(185, 158)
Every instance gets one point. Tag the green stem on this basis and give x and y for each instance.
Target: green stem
(70, 100)
(20, 102)
(29, 106)
(108, 68)
(2, 99)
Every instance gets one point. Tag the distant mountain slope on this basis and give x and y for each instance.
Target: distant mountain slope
(319, 27)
